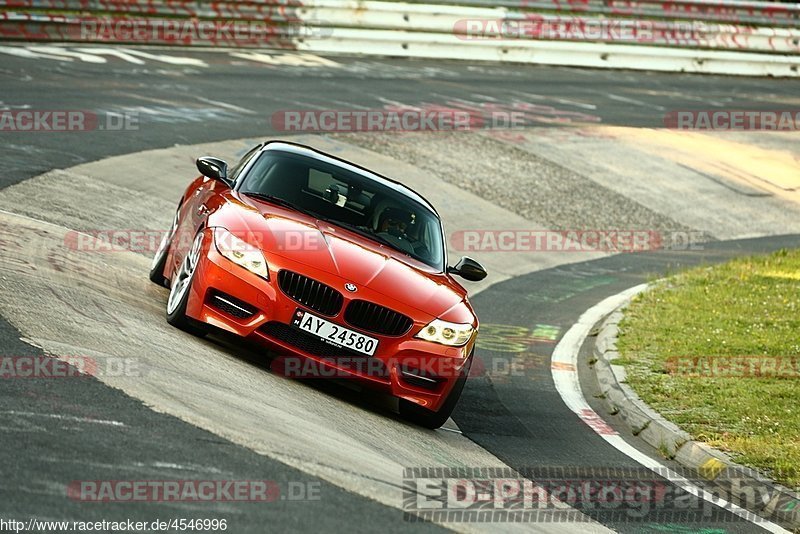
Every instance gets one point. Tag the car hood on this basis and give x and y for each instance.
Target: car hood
(357, 259)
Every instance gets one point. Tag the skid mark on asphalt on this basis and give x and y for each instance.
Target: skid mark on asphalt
(562, 290)
(94, 313)
(173, 114)
(524, 109)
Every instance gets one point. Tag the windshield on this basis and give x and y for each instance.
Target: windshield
(348, 200)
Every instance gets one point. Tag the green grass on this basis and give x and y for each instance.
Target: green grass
(747, 307)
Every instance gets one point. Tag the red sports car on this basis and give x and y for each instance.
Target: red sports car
(340, 270)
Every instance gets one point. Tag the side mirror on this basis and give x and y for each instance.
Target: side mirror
(214, 168)
(468, 269)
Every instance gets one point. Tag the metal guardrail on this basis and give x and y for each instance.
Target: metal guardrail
(273, 10)
(524, 30)
(723, 11)
(733, 11)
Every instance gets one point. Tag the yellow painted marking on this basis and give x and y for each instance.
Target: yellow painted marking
(774, 171)
(791, 275)
(712, 468)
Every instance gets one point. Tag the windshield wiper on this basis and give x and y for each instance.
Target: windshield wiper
(281, 202)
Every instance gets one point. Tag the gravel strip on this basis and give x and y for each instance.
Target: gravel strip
(533, 187)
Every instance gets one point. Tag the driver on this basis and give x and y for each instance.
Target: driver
(395, 221)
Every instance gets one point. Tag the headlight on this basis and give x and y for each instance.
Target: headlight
(240, 253)
(453, 334)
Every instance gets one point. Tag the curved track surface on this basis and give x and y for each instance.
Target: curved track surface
(211, 409)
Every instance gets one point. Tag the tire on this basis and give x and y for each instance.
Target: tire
(423, 417)
(160, 257)
(181, 287)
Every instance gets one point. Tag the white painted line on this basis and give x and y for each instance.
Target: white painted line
(348, 105)
(170, 60)
(169, 465)
(564, 369)
(226, 105)
(582, 105)
(527, 95)
(22, 52)
(111, 52)
(560, 100)
(66, 418)
(57, 51)
(627, 100)
(484, 97)
(308, 105)
(286, 59)
(397, 104)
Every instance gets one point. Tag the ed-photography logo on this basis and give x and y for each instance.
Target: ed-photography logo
(578, 494)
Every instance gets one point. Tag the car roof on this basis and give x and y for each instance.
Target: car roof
(303, 150)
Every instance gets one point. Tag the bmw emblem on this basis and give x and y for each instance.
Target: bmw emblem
(350, 287)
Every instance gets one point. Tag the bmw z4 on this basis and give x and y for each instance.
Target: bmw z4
(339, 270)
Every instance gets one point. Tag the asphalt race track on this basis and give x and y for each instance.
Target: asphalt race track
(587, 157)
(174, 107)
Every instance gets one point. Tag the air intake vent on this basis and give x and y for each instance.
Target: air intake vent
(310, 293)
(373, 318)
(231, 305)
(420, 379)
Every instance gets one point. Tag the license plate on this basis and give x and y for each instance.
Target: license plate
(334, 334)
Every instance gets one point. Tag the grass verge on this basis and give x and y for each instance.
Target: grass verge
(716, 350)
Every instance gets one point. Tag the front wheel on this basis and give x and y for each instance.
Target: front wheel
(180, 288)
(423, 417)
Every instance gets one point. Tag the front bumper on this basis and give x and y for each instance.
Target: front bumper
(227, 296)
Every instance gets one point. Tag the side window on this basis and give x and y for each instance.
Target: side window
(234, 173)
